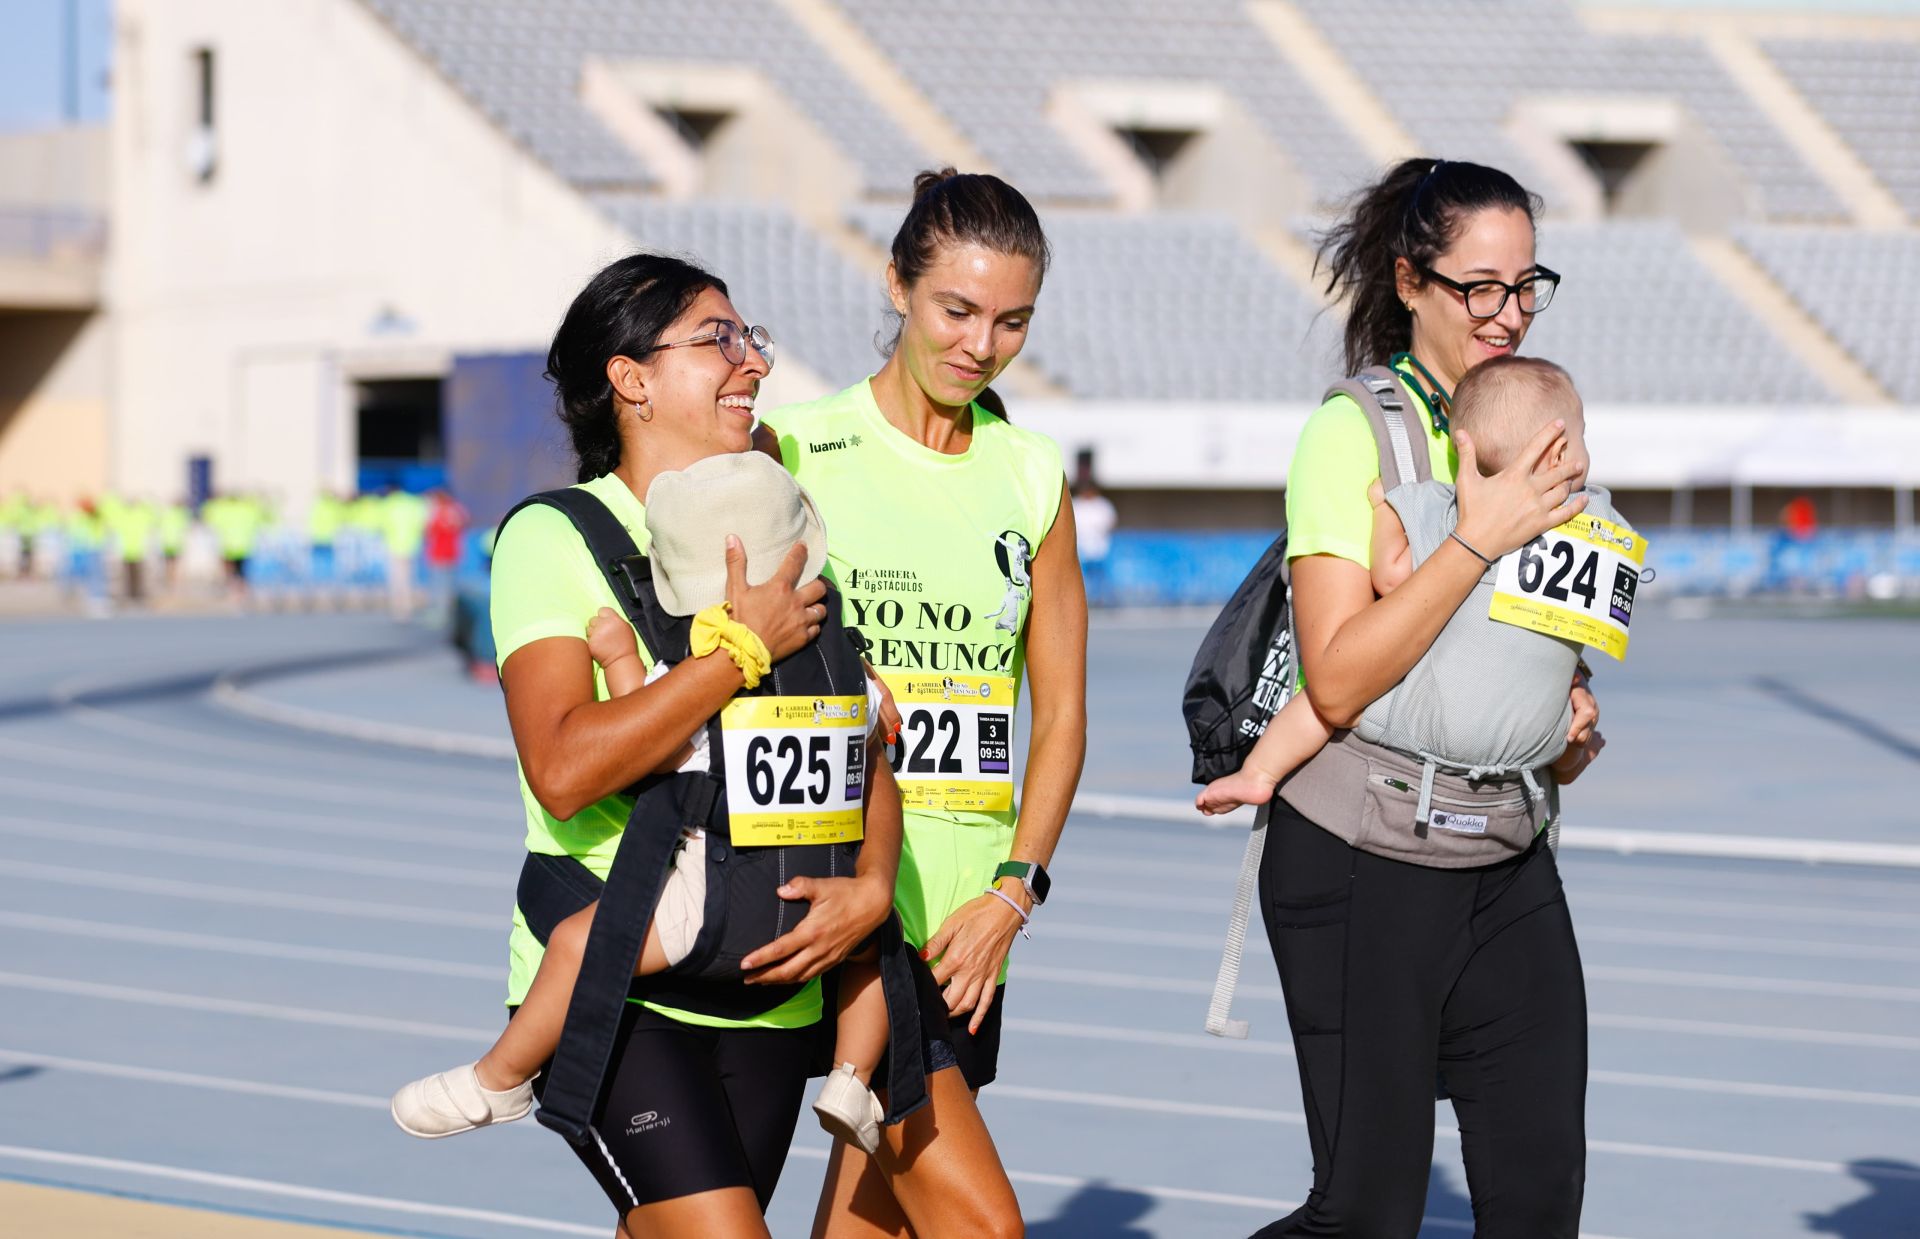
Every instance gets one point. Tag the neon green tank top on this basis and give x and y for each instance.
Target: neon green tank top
(932, 555)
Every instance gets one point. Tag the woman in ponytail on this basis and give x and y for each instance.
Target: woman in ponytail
(953, 550)
(1397, 969)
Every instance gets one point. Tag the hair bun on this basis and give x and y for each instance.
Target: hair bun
(926, 182)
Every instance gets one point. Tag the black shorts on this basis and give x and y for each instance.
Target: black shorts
(948, 1043)
(693, 1109)
(978, 1054)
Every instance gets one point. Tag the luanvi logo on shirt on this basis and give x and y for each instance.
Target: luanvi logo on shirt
(640, 1124)
(831, 445)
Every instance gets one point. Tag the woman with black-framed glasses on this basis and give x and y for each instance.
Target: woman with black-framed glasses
(1402, 963)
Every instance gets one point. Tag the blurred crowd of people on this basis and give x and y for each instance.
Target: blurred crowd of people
(395, 547)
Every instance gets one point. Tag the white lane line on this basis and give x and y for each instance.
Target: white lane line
(295, 1191)
(234, 1006)
(1124, 981)
(1768, 912)
(377, 960)
(189, 1079)
(1739, 1088)
(1746, 944)
(1755, 1032)
(254, 817)
(1572, 837)
(250, 897)
(1267, 992)
(1753, 985)
(249, 853)
(994, 1092)
(1740, 943)
(278, 788)
(228, 695)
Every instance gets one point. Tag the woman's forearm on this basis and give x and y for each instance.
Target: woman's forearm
(1351, 662)
(597, 748)
(1054, 760)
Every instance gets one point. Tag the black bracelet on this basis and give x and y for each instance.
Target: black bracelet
(1455, 535)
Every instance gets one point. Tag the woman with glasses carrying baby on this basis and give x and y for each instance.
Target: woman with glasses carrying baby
(1412, 903)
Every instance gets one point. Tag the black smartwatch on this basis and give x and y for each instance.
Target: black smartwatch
(1032, 876)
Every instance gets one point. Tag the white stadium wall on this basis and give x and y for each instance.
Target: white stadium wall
(361, 220)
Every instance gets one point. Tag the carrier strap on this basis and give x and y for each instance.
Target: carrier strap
(1377, 391)
(587, 1040)
(620, 561)
(1227, 980)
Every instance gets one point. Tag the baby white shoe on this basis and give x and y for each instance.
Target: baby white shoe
(848, 1109)
(450, 1102)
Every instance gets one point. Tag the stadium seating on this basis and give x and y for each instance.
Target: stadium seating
(1638, 318)
(1870, 93)
(812, 300)
(521, 63)
(1858, 285)
(1171, 306)
(991, 72)
(1453, 69)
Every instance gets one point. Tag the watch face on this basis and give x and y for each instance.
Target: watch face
(1040, 883)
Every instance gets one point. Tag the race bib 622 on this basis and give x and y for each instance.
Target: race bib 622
(955, 752)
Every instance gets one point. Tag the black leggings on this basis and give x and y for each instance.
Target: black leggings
(1395, 972)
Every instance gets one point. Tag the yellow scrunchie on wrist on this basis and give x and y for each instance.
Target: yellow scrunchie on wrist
(716, 629)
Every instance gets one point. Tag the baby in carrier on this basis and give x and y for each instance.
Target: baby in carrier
(498, 1087)
(1450, 709)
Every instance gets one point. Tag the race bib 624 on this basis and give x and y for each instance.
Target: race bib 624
(1576, 581)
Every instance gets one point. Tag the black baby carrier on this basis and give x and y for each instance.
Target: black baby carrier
(742, 912)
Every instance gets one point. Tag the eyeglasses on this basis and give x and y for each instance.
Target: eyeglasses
(732, 342)
(1486, 298)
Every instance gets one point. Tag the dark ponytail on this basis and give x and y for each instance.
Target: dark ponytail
(1415, 212)
(966, 208)
(621, 312)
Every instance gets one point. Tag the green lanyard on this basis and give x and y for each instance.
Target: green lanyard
(1438, 402)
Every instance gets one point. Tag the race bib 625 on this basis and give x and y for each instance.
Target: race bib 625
(796, 769)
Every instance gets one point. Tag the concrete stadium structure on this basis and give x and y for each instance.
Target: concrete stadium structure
(302, 214)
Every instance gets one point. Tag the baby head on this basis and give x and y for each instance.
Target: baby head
(691, 511)
(1504, 401)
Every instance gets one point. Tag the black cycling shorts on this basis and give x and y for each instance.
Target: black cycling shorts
(948, 1043)
(692, 1109)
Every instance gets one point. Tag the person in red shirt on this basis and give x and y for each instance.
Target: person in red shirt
(446, 521)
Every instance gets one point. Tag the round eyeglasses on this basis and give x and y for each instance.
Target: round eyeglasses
(1486, 298)
(732, 342)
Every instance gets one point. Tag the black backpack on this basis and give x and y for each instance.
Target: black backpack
(1243, 671)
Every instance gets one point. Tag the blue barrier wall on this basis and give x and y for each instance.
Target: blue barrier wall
(1192, 568)
(503, 441)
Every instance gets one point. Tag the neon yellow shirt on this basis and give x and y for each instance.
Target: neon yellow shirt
(1334, 464)
(324, 519)
(403, 523)
(931, 554)
(546, 584)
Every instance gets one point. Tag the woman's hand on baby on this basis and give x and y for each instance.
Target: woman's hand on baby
(1224, 795)
(841, 912)
(784, 614)
(1504, 512)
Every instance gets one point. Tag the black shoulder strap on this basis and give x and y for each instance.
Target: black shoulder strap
(620, 561)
